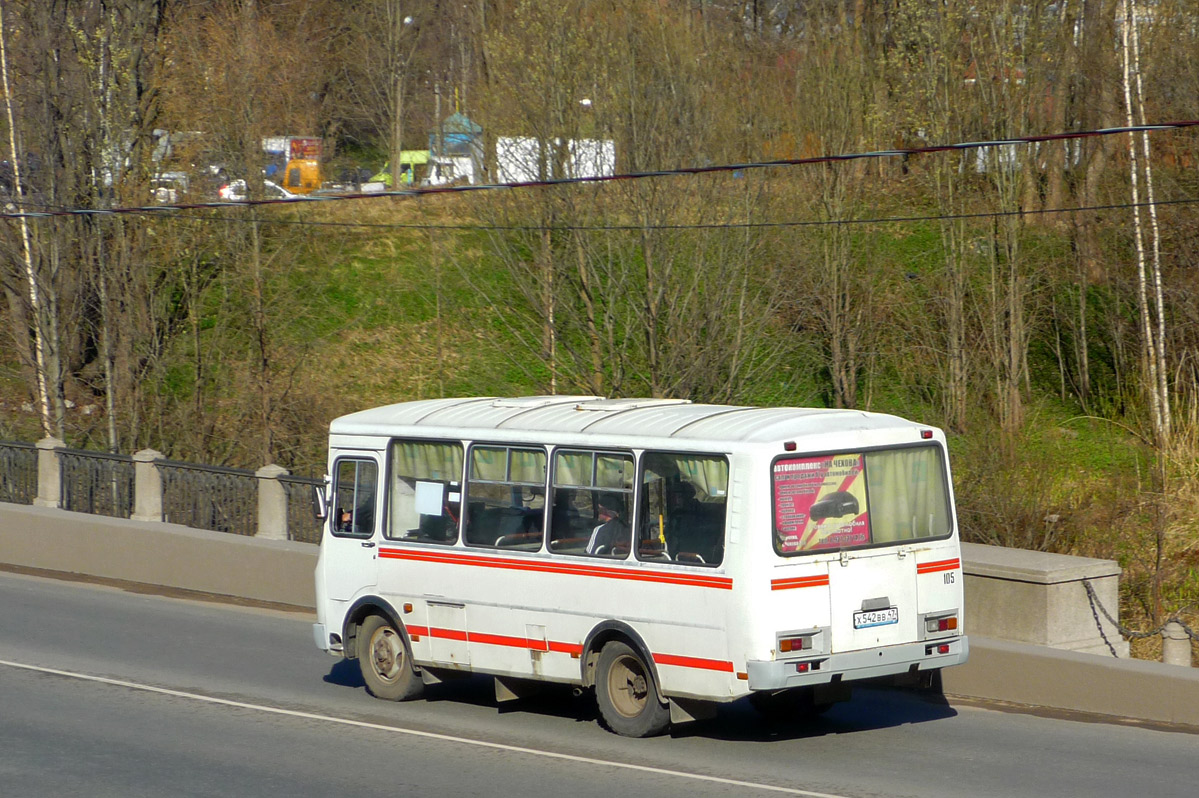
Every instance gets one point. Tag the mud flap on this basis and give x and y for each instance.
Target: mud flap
(685, 710)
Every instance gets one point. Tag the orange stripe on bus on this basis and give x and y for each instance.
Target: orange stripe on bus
(820, 580)
(939, 565)
(569, 569)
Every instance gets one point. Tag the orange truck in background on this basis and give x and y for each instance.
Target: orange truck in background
(303, 175)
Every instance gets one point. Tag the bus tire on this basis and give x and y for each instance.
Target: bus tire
(386, 661)
(627, 695)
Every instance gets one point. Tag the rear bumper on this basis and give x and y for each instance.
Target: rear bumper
(855, 665)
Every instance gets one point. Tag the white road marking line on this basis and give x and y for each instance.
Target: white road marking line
(417, 733)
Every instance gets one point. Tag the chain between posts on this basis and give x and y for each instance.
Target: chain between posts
(1097, 607)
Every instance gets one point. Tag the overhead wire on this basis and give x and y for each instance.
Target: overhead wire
(169, 210)
(599, 228)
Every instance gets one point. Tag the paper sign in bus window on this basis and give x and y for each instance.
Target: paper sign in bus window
(430, 497)
(820, 503)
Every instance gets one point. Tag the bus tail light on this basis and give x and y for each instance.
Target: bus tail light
(948, 623)
(789, 644)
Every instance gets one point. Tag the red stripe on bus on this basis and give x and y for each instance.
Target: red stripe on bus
(507, 640)
(939, 565)
(799, 581)
(570, 569)
(448, 634)
(694, 662)
(559, 647)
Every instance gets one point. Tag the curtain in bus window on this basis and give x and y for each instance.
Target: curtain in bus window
(613, 472)
(528, 467)
(907, 494)
(488, 464)
(436, 461)
(709, 475)
(572, 468)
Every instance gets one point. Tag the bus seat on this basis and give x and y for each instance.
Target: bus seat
(530, 541)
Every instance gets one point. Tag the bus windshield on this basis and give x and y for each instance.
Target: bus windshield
(851, 500)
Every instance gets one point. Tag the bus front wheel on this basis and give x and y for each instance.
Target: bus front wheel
(627, 696)
(386, 662)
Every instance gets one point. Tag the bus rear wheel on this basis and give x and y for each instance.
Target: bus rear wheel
(386, 662)
(627, 696)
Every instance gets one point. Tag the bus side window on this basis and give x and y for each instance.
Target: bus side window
(683, 508)
(426, 491)
(592, 503)
(505, 494)
(354, 503)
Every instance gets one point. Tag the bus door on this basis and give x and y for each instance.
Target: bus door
(873, 599)
(351, 545)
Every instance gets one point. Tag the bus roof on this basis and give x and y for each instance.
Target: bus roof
(677, 419)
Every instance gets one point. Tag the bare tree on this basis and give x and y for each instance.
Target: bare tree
(49, 425)
(1149, 300)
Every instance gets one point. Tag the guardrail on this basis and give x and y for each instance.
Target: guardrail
(18, 472)
(268, 503)
(98, 483)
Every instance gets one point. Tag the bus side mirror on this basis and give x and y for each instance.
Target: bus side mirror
(320, 508)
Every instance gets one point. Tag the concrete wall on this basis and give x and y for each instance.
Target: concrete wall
(154, 553)
(1040, 598)
(281, 572)
(1038, 676)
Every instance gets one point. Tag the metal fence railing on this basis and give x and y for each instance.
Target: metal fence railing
(302, 524)
(199, 496)
(209, 497)
(18, 472)
(96, 482)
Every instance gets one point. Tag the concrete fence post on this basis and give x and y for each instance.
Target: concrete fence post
(272, 502)
(1176, 645)
(147, 486)
(49, 473)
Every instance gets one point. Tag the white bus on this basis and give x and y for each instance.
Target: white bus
(671, 555)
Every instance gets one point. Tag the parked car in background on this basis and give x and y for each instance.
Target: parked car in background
(235, 191)
(168, 188)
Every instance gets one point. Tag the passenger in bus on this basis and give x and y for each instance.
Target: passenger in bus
(612, 530)
(682, 515)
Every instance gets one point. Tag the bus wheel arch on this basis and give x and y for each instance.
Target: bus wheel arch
(627, 690)
(362, 609)
(605, 633)
(385, 660)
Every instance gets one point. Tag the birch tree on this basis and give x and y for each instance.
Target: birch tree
(1149, 269)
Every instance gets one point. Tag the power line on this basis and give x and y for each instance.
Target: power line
(692, 226)
(682, 171)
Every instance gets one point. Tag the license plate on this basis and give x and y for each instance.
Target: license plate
(868, 618)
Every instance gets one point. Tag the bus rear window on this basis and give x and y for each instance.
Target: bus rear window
(853, 500)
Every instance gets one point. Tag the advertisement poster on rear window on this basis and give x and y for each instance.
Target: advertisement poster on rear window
(820, 503)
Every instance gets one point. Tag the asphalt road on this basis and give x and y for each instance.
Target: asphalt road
(110, 693)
